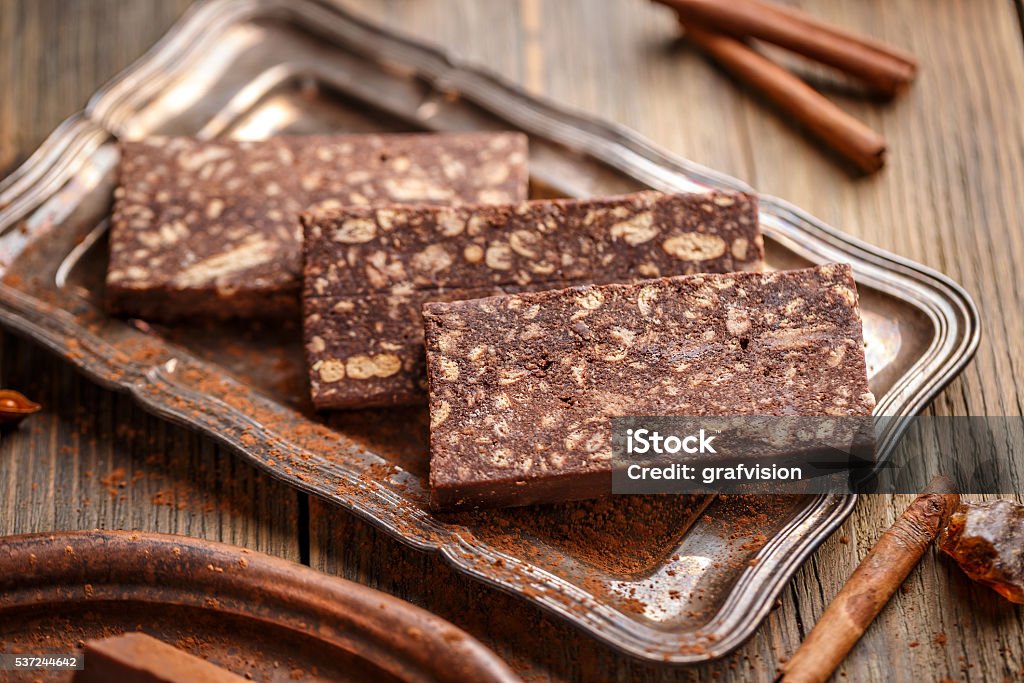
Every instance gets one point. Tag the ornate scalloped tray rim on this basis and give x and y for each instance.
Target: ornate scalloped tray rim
(108, 567)
(946, 304)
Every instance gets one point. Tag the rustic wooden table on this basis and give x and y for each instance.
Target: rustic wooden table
(950, 197)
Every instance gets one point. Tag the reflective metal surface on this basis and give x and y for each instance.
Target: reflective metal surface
(252, 68)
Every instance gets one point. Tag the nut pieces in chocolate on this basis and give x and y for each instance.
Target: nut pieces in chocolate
(523, 387)
(211, 228)
(523, 373)
(369, 270)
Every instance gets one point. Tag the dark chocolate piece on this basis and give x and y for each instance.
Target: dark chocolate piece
(210, 228)
(139, 658)
(522, 387)
(368, 271)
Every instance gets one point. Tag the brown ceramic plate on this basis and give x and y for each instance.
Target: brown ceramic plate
(256, 615)
(686, 589)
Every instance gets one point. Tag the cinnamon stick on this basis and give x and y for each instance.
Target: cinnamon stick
(883, 68)
(871, 585)
(846, 135)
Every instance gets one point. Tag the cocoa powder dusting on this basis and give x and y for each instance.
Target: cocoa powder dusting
(621, 535)
(114, 481)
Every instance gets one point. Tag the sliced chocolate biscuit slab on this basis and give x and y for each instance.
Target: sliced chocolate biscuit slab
(368, 270)
(211, 228)
(523, 387)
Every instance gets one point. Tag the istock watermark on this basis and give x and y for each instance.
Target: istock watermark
(822, 454)
(644, 441)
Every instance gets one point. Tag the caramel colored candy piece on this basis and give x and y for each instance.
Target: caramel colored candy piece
(15, 407)
(987, 541)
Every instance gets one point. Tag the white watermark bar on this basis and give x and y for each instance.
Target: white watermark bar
(41, 662)
(743, 454)
(810, 455)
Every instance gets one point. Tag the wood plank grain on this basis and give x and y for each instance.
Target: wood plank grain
(948, 199)
(93, 459)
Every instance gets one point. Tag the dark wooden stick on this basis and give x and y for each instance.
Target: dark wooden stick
(881, 67)
(871, 585)
(846, 135)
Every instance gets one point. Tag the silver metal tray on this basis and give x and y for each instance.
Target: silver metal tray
(688, 591)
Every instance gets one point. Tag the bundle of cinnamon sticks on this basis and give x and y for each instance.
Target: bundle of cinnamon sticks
(724, 31)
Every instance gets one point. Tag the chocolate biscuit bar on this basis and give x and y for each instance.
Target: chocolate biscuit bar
(368, 270)
(211, 228)
(523, 387)
(139, 658)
